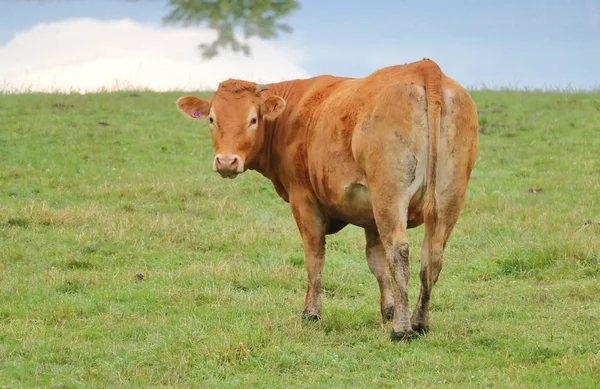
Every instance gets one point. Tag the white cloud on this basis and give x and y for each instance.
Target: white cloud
(86, 55)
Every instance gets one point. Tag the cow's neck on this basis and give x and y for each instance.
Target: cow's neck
(268, 161)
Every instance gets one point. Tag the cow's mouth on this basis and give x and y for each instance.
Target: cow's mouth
(228, 174)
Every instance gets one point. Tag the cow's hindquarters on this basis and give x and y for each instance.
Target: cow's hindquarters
(390, 148)
(457, 152)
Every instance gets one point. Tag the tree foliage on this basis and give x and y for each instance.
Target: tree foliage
(255, 18)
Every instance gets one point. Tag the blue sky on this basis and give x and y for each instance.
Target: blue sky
(525, 44)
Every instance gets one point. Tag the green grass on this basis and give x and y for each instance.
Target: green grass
(125, 262)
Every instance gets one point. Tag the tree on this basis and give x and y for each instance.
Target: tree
(253, 18)
(259, 18)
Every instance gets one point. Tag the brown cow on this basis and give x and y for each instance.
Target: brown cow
(359, 151)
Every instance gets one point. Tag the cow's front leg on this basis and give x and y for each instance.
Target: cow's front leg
(312, 226)
(381, 270)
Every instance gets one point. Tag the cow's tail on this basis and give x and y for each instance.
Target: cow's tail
(433, 92)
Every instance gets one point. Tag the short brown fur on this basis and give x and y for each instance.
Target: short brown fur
(386, 152)
(236, 86)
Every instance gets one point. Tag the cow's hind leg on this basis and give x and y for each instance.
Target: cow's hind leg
(432, 253)
(387, 146)
(458, 149)
(390, 194)
(380, 269)
(392, 228)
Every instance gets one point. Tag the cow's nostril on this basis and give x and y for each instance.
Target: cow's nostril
(228, 163)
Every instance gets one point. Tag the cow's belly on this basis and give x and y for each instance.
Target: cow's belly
(355, 208)
(353, 205)
(342, 191)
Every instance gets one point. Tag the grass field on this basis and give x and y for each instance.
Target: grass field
(126, 262)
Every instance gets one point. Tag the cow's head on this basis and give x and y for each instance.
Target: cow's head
(236, 115)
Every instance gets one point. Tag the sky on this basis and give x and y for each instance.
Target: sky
(89, 45)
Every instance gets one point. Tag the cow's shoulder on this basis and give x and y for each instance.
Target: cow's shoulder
(310, 98)
(319, 90)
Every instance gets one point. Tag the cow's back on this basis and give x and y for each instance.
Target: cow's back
(331, 112)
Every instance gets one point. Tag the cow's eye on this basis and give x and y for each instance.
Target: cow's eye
(253, 121)
(211, 120)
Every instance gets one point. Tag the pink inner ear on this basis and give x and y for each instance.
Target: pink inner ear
(197, 115)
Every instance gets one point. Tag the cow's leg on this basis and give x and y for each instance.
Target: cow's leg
(380, 269)
(420, 317)
(458, 149)
(432, 253)
(389, 148)
(312, 227)
(390, 200)
(395, 242)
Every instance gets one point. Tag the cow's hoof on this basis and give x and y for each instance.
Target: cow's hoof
(387, 314)
(403, 335)
(420, 329)
(308, 316)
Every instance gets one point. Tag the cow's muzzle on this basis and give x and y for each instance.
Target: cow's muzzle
(228, 166)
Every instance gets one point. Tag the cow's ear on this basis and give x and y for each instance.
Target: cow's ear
(193, 107)
(272, 107)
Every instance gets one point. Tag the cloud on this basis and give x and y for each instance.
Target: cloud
(86, 55)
